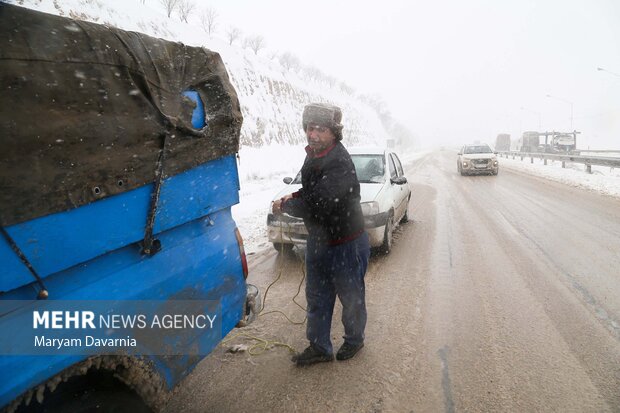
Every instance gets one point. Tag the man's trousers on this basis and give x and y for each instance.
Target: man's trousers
(336, 270)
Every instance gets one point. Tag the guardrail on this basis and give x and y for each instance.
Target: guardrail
(588, 161)
(579, 151)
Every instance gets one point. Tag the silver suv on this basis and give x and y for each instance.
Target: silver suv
(476, 159)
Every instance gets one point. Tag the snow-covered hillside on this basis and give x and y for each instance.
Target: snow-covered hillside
(272, 97)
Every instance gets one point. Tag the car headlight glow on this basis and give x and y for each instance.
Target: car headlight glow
(370, 208)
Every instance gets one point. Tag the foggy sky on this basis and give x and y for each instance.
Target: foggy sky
(458, 71)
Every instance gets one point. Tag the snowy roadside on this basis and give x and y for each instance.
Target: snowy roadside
(250, 213)
(260, 175)
(603, 179)
(409, 157)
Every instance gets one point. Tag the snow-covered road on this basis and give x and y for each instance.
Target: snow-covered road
(500, 294)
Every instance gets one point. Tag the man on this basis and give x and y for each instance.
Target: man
(337, 248)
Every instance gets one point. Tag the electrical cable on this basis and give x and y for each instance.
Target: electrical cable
(262, 344)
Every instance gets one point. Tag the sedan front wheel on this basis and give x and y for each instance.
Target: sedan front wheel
(387, 236)
(405, 217)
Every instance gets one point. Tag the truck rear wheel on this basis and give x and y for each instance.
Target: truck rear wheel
(95, 391)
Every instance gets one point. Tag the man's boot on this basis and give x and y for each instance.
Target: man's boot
(310, 356)
(346, 351)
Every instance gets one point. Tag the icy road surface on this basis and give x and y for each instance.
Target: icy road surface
(502, 294)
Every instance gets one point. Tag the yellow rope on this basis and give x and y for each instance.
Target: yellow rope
(303, 271)
(262, 344)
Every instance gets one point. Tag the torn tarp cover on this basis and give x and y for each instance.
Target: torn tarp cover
(86, 106)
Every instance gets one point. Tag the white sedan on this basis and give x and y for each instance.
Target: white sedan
(384, 192)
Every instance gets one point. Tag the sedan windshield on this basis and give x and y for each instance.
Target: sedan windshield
(477, 149)
(369, 168)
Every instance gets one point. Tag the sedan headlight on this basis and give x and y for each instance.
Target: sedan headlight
(370, 208)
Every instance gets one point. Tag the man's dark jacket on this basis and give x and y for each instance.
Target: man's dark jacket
(329, 200)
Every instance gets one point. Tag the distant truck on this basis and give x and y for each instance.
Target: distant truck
(118, 173)
(529, 142)
(561, 142)
(502, 142)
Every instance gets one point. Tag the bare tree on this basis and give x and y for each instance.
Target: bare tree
(290, 61)
(402, 136)
(185, 8)
(208, 20)
(232, 34)
(331, 80)
(256, 43)
(245, 43)
(346, 88)
(169, 5)
(314, 73)
(375, 101)
(310, 72)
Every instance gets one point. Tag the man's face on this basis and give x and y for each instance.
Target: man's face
(319, 137)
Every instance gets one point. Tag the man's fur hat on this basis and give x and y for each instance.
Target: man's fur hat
(324, 114)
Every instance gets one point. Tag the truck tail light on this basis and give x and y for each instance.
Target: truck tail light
(244, 261)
